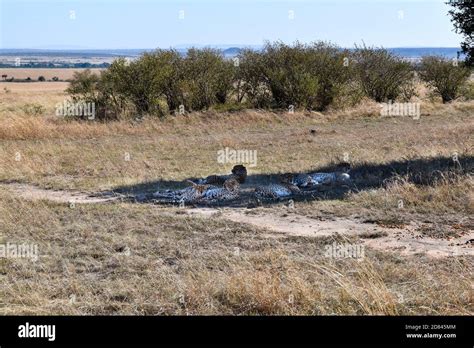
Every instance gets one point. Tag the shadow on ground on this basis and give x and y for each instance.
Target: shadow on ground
(364, 176)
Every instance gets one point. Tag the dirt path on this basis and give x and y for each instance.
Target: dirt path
(31, 192)
(405, 241)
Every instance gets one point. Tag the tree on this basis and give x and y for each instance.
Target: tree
(111, 89)
(288, 73)
(168, 76)
(103, 91)
(298, 75)
(382, 75)
(250, 82)
(83, 86)
(207, 78)
(462, 15)
(444, 76)
(41, 79)
(140, 84)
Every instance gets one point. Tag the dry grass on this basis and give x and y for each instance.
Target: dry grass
(188, 265)
(92, 155)
(182, 265)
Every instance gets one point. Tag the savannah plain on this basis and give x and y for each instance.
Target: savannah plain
(64, 185)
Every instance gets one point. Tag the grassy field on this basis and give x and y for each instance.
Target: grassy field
(123, 257)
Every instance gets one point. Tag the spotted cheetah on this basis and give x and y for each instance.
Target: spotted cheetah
(301, 180)
(187, 195)
(284, 189)
(239, 172)
(330, 178)
(228, 192)
(339, 176)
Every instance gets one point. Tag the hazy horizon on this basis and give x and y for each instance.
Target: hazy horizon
(183, 47)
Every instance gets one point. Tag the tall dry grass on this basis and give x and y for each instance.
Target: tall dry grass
(183, 265)
(127, 259)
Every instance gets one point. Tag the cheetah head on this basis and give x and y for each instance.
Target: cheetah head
(240, 173)
(232, 185)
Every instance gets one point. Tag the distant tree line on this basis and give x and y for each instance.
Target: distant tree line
(56, 65)
(301, 76)
(28, 79)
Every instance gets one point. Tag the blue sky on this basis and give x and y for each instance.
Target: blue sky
(102, 24)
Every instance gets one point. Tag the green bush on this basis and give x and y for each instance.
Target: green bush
(113, 102)
(168, 77)
(149, 85)
(101, 90)
(141, 86)
(288, 74)
(207, 78)
(250, 85)
(83, 86)
(445, 77)
(350, 95)
(382, 75)
(33, 109)
(333, 76)
(305, 76)
(157, 83)
(310, 76)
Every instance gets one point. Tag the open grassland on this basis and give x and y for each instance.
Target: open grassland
(128, 258)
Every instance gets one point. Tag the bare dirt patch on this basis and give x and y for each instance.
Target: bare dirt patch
(35, 193)
(405, 241)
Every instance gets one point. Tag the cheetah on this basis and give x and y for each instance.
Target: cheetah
(284, 189)
(187, 195)
(301, 180)
(228, 192)
(239, 172)
(339, 176)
